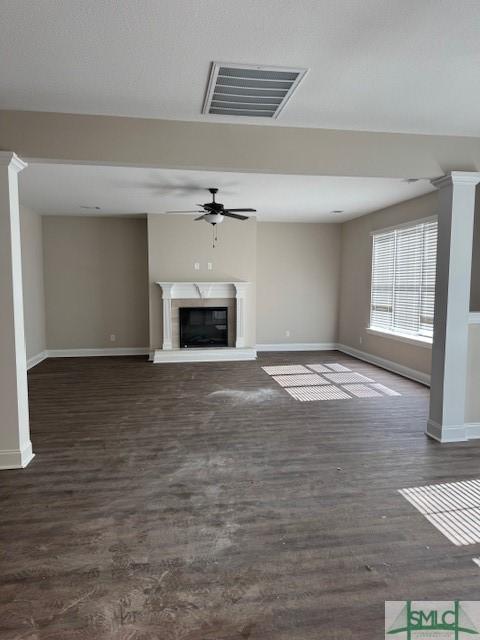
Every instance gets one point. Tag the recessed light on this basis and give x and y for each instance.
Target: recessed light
(84, 206)
(337, 211)
(411, 180)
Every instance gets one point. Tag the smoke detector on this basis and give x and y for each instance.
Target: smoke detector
(250, 90)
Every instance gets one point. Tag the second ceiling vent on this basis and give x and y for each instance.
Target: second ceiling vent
(250, 90)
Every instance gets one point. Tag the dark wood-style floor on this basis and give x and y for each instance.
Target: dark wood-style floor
(201, 502)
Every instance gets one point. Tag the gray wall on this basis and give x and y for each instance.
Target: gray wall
(33, 284)
(96, 281)
(298, 278)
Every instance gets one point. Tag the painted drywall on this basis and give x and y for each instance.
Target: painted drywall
(33, 284)
(298, 275)
(475, 281)
(96, 282)
(176, 243)
(355, 281)
(472, 408)
(233, 147)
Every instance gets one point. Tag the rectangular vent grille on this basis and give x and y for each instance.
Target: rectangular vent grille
(249, 90)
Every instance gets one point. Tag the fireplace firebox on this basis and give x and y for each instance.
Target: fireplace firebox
(203, 327)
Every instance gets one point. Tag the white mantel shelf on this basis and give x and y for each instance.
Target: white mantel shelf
(203, 290)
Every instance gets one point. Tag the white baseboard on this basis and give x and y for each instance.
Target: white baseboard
(91, 353)
(34, 360)
(389, 365)
(298, 346)
(16, 458)
(473, 430)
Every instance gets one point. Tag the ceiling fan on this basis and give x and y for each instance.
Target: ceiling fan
(215, 212)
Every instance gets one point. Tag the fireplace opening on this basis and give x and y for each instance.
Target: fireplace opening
(203, 327)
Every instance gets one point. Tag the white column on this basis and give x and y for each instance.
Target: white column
(452, 304)
(15, 445)
(167, 315)
(240, 295)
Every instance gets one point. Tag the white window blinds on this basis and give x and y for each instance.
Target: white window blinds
(403, 279)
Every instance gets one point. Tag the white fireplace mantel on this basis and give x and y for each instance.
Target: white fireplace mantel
(204, 290)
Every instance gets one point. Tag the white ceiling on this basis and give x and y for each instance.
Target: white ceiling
(63, 190)
(396, 65)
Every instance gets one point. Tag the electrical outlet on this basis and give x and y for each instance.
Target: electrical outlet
(113, 337)
(209, 266)
(287, 333)
(196, 266)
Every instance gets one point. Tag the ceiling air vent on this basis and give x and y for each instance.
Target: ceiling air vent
(250, 90)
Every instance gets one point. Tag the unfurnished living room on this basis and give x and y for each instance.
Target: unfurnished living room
(239, 319)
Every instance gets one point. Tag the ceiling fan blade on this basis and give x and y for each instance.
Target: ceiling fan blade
(228, 214)
(199, 218)
(240, 209)
(189, 211)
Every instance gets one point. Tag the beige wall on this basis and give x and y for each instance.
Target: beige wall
(355, 284)
(233, 147)
(175, 243)
(475, 283)
(298, 269)
(33, 285)
(96, 282)
(472, 409)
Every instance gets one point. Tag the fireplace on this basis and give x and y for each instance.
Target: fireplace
(203, 327)
(229, 343)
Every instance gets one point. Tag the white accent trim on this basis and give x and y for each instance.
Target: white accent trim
(389, 365)
(34, 360)
(112, 351)
(418, 341)
(298, 346)
(220, 354)
(456, 177)
(201, 290)
(474, 317)
(12, 160)
(16, 458)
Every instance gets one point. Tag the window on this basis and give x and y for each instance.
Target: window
(403, 280)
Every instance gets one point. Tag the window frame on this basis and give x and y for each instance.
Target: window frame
(418, 340)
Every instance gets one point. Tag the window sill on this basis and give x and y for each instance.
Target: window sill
(417, 340)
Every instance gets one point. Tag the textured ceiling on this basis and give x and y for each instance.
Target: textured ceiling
(65, 189)
(395, 65)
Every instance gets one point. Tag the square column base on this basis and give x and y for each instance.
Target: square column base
(448, 433)
(16, 458)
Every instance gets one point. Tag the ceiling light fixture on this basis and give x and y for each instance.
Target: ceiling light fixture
(337, 211)
(84, 206)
